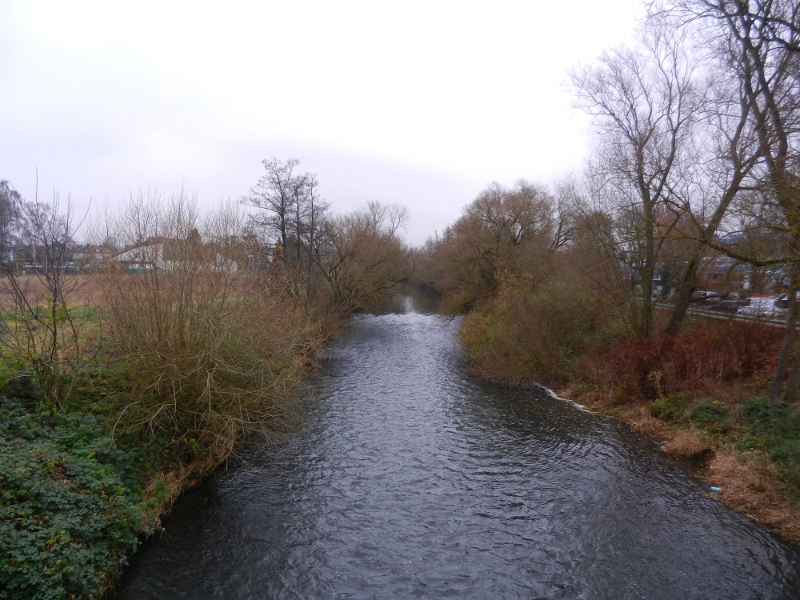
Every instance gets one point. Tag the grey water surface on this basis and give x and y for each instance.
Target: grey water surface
(410, 479)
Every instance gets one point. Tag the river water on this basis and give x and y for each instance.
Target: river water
(410, 479)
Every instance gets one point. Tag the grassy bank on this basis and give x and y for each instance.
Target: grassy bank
(182, 335)
(94, 452)
(702, 393)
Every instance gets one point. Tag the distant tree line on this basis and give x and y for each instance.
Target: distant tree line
(352, 261)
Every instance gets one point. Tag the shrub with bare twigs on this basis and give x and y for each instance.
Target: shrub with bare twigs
(212, 349)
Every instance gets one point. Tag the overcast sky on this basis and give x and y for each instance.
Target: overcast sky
(416, 103)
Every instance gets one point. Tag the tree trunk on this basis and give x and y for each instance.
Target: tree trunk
(649, 265)
(684, 296)
(794, 382)
(788, 339)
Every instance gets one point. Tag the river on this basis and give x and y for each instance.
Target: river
(410, 479)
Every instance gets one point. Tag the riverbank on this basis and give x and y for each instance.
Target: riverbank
(701, 395)
(135, 364)
(730, 457)
(90, 463)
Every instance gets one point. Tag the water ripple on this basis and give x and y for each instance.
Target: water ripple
(412, 480)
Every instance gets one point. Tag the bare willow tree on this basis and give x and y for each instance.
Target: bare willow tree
(505, 233)
(643, 103)
(362, 257)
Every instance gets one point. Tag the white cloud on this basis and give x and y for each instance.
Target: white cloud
(104, 97)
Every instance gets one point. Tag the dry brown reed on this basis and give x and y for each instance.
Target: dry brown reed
(687, 444)
(748, 484)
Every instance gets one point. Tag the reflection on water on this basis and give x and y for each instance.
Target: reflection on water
(412, 480)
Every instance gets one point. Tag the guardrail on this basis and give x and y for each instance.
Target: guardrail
(774, 319)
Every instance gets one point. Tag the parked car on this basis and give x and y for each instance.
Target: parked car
(725, 304)
(742, 300)
(704, 297)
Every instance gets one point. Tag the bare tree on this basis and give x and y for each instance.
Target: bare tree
(761, 52)
(316, 210)
(309, 220)
(643, 103)
(293, 217)
(276, 194)
(38, 324)
(724, 152)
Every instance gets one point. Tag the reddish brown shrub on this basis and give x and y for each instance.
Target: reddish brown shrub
(648, 369)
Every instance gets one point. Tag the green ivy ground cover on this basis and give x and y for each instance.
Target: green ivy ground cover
(70, 505)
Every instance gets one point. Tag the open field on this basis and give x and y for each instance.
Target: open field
(82, 290)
